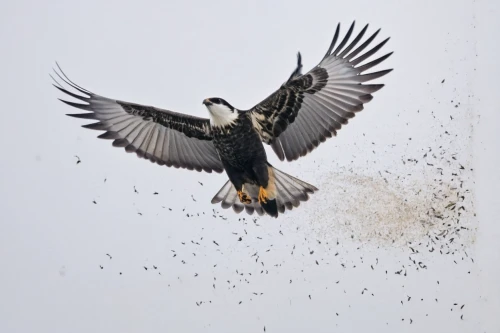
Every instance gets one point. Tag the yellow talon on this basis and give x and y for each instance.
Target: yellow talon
(262, 195)
(244, 198)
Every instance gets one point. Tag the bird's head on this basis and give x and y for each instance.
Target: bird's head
(221, 112)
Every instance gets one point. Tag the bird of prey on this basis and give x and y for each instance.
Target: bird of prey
(305, 111)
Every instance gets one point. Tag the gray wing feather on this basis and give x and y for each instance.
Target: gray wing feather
(310, 108)
(161, 136)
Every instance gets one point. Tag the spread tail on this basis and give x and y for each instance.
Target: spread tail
(283, 192)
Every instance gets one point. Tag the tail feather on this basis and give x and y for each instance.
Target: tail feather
(290, 191)
(228, 197)
(270, 207)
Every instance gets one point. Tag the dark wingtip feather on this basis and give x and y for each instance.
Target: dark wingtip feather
(362, 46)
(354, 42)
(96, 126)
(71, 83)
(109, 136)
(57, 84)
(372, 76)
(344, 40)
(90, 115)
(81, 98)
(368, 54)
(373, 63)
(85, 107)
(334, 41)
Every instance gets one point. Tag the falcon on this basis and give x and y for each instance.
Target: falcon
(305, 111)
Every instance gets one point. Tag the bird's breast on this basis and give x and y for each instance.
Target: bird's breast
(238, 143)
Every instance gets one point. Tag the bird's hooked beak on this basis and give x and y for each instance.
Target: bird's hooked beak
(207, 102)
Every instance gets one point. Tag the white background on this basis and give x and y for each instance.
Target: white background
(420, 162)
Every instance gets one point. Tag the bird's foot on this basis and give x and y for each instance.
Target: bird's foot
(262, 195)
(244, 198)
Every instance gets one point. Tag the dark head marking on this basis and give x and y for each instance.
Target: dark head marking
(217, 100)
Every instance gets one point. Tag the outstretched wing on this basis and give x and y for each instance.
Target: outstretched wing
(161, 136)
(308, 109)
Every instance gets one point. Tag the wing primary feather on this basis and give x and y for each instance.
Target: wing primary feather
(85, 107)
(83, 91)
(71, 83)
(372, 76)
(354, 42)
(358, 88)
(334, 41)
(81, 98)
(96, 126)
(362, 46)
(83, 115)
(373, 63)
(57, 82)
(369, 53)
(344, 40)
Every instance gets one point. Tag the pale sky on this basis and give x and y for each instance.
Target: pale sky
(402, 236)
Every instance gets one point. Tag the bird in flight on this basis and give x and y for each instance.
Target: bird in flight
(305, 111)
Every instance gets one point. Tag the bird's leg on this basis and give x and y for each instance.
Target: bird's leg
(236, 178)
(262, 173)
(244, 198)
(262, 195)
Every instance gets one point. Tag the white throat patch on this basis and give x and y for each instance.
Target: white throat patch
(221, 115)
